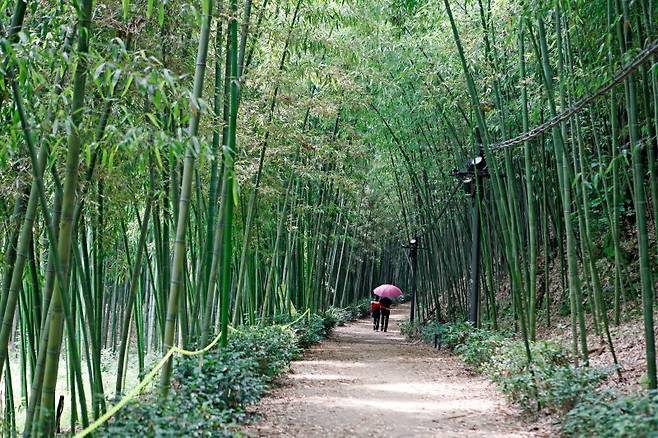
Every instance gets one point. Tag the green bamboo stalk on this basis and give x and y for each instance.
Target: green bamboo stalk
(134, 280)
(269, 279)
(15, 221)
(56, 272)
(564, 178)
(473, 94)
(15, 27)
(639, 200)
(21, 255)
(257, 179)
(177, 266)
(66, 225)
(214, 178)
(530, 203)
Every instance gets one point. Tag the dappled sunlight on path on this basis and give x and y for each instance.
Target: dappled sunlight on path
(363, 383)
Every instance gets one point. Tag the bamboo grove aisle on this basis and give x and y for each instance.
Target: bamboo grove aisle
(172, 168)
(362, 383)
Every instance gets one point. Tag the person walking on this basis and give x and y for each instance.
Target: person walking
(375, 312)
(386, 292)
(385, 310)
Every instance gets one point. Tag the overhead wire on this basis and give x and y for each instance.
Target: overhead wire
(618, 78)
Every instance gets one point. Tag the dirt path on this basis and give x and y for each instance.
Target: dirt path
(361, 383)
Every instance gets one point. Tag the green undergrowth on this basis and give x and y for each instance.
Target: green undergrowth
(210, 400)
(337, 316)
(551, 384)
(608, 414)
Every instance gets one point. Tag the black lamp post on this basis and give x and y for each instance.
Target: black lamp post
(472, 180)
(413, 256)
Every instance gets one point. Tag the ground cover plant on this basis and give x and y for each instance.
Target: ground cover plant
(549, 383)
(609, 414)
(209, 397)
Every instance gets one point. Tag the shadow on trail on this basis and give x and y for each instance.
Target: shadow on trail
(364, 383)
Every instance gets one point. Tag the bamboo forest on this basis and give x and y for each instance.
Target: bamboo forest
(210, 208)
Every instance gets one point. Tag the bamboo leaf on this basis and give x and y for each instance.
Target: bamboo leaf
(88, 154)
(236, 192)
(99, 71)
(153, 119)
(126, 9)
(149, 8)
(161, 14)
(115, 79)
(158, 158)
(110, 160)
(126, 88)
(157, 98)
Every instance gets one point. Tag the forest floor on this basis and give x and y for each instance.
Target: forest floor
(364, 383)
(628, 340)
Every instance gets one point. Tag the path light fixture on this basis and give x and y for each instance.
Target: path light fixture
(472, 180)
(476, 171)
(413, 255)
(413, 258)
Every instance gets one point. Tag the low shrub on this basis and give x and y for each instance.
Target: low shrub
(336, 316)
(412, 330)
(272, 347)
(551, 383)
(425, 331)
(561, 388)
(608, 414)
(209, 400)
(359, 309)
(227, 381)
(479, 347)
(453, 334)
(205, 402)
(403, 298)
(150, 417)
(428, 330)
(310, 330)
(511, 357)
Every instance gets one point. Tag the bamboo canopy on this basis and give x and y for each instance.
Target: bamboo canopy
(172, 169)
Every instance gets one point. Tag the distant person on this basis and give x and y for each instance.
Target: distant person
(375, 312)
(385, 309)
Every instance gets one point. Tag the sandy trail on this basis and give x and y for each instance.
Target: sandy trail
(361, 383)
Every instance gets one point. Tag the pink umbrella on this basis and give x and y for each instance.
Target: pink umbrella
(387, 291)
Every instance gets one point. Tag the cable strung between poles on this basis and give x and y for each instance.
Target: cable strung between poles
(621, 75)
